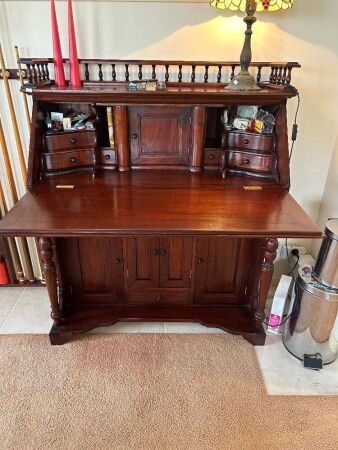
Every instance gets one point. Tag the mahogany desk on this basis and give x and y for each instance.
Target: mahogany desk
(175, 223)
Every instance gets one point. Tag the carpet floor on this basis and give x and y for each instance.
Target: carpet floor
(159, 391)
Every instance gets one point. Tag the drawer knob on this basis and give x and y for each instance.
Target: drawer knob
(134, 136)
(72, 159)
(163, 252)
(246, 141)
(107, 157)
(158, 298)
(211, 156)
(117, 261)
(246, 161)
(156, 252)
(72, 140)
(200, 260)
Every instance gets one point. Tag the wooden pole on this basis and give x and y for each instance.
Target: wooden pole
(25, 248)
(13, 118)
(25, 102)
(14, 194)
(14, 249)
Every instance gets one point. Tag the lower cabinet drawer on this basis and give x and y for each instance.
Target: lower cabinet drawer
(251, 162)
(69, 159)
(160, 298)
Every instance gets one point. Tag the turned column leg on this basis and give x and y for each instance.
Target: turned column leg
(49, 272)
(270, 253)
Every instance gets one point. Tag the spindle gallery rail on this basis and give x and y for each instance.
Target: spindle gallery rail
(115, 71)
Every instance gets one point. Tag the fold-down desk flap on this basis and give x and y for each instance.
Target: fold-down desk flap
(99, 210)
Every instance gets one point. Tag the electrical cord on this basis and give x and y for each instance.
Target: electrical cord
(294, 128)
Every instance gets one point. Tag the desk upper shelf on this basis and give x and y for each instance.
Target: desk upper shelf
(156, 202)
(174, 94)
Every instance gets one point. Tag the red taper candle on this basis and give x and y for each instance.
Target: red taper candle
(59, 74)
(75, 80)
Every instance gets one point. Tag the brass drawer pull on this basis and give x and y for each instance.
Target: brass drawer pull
(134, 136)
(107, 157)
(156, 252)
(246, 161)
(72, 141)
(72, 159)
(158, 298)
(246, 141)
(200, 260)
(117, 260)
(211, 156)
(163, 252)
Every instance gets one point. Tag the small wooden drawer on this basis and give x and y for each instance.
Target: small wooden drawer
(106, 157)
(69, 159)
(249, 162)
(252, 141)
(64, 141)
(160, 298)
(211, 157)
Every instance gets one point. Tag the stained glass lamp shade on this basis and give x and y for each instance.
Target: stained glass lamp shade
(244, 81)
(261, 5)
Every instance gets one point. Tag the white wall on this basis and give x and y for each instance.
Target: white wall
(308, 33)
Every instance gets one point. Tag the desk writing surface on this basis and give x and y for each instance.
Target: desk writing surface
(138, 203)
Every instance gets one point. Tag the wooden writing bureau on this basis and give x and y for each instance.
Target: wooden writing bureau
(178, 222)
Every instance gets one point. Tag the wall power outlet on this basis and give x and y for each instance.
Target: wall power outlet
(301, 249)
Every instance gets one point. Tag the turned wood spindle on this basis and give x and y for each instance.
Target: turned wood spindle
(193, 73)
(180, 73)
(284, 75)
(35, 78)
(153, 73)
(39, 72)
(126, 74)
(280, 75)
(49, 272)
(206, 75)
(29, 74)
(113, 72)
(100, 72)
(259, 74)
(288, 78)
(47, 71)
(270, 253)
(86, 71)
(166, 76)
(140, 72)
(43, 73)
(232, 76)
(219, 74)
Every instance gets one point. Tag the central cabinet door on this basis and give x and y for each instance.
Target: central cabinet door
(159, 135)
(159, 262)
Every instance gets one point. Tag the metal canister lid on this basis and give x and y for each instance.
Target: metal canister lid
(306, 281)
(331, 229)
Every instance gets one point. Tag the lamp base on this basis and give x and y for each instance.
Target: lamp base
(244, 81)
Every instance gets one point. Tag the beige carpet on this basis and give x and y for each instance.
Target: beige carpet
(141, 391)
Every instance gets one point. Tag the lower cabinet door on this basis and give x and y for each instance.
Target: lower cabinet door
(222, 270)
(92, 269)
(142, 262)
(175, 262)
